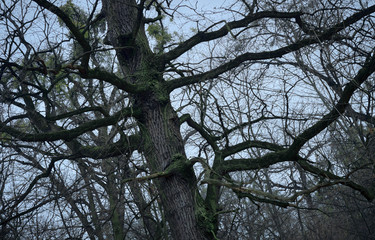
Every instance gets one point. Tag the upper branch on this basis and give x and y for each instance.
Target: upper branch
(338, 109)
(207, 36)
(237, 61)
(252, 164)
(210, 139)
(73, 28)
(230, 150)
(326, 35)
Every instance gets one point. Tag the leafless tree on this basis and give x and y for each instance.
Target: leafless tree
(178, 119)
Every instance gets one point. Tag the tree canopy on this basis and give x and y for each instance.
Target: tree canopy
(147, 119)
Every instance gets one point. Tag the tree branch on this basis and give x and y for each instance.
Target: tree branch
(124, 146)
(207, 36)
(112, 78)
(68, 22)
(338, 109)
(368, 194)
(250, 144)
(252, 163)
(66, 135)
(326, 35)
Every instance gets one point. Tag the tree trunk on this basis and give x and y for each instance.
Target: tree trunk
(159, 123)
(177, 192)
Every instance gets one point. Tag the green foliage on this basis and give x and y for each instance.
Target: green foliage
(160, 34)
(5, 137)
(78, 18)
(76, 15)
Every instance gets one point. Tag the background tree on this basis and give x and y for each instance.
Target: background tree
(166, 119)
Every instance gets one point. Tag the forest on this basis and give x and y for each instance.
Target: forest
(187, 119)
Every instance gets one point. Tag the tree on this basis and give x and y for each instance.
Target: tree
(114, 126)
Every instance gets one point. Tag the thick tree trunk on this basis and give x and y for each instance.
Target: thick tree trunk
(177, 192)
(159, 124)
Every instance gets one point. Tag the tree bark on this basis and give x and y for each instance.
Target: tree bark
(159, 123)
(177, 192)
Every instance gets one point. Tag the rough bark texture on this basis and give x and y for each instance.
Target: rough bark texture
(159, 123)
(177, 191)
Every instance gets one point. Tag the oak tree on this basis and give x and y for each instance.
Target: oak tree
(134, 119)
